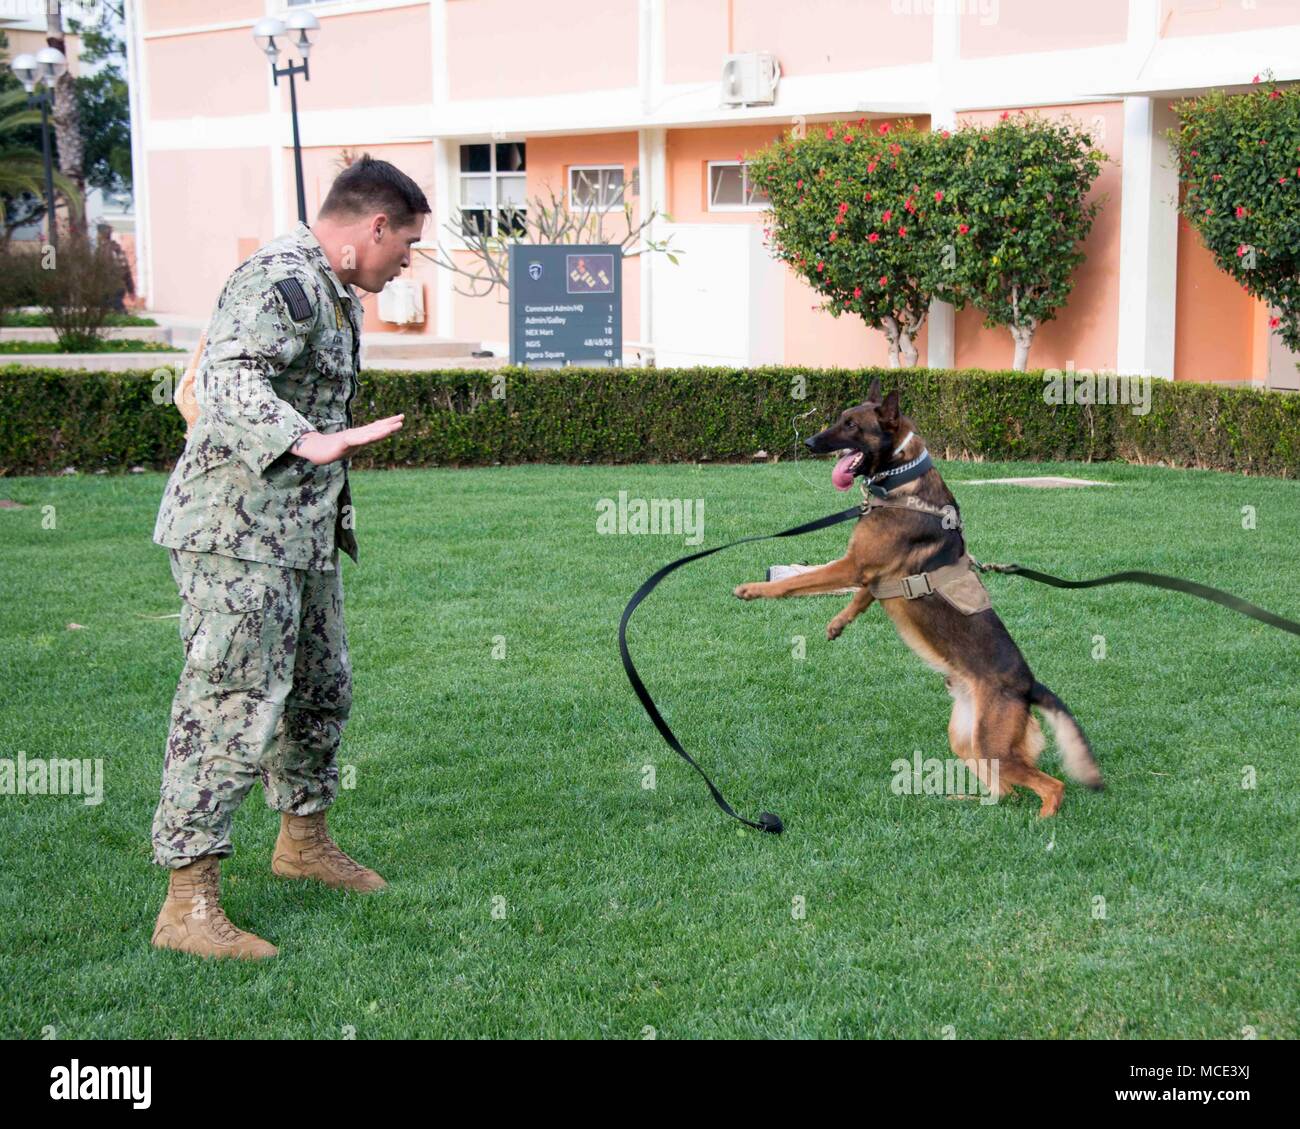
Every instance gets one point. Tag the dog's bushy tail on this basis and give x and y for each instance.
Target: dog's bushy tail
(1076, 753)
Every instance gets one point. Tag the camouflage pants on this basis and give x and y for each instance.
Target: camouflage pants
(265, 692)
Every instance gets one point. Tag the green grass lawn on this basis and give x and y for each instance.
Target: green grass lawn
(626, 908)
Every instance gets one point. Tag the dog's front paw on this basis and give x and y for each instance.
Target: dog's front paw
(834, 630)
(750, 591)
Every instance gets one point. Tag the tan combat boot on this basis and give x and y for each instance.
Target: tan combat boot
(304, 849)
(192, 920)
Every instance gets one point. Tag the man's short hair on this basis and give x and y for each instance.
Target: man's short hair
(368, 186)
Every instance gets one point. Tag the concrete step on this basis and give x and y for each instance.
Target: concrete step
(412, 346)
(98, 362)
(429, 364)
(111, 333)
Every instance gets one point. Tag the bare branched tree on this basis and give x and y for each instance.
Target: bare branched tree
(543, 221)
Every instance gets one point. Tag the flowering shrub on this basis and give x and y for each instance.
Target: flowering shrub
(882, 220)
(1239, 167)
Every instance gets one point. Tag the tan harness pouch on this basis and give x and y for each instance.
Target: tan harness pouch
(966, 593)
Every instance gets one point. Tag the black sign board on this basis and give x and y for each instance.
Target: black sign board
(566, 304)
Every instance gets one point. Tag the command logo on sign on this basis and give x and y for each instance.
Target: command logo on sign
(589, 274)
(534, 271)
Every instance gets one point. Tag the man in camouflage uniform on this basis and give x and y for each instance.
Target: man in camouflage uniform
(254, 515)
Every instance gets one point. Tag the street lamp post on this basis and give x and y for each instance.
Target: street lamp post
(265, 32)
(45, 67)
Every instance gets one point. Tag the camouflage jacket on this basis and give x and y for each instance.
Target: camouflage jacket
(282, 354)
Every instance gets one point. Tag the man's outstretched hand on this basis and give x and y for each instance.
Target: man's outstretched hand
(321, 449)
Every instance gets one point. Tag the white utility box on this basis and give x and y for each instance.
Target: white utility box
(401, 302)
(724, 301)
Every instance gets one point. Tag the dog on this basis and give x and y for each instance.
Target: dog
(991, 685)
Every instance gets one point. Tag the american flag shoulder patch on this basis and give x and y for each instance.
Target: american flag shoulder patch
(295, 297)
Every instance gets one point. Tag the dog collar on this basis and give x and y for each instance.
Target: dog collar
(897, 476)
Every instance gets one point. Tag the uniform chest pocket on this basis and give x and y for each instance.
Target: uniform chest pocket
(334, 355)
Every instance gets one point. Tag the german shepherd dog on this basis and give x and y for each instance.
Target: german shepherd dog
(990, 682)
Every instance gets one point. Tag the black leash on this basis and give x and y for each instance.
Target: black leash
(1156, 580)
(769, 821)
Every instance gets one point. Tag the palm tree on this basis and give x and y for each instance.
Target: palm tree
(22, 168)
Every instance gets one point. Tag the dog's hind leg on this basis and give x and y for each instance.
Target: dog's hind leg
(961, 723)
(1002, 735)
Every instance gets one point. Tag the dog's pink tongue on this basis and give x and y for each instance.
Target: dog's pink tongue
(842, 475)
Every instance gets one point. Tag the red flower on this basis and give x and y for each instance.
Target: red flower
(848, 138)
(1004, 115)
(887, 216)
(857, 292)
(895, 149)
(903, 232)
(873, 237)
(834, 236)
(820, 265)
(884, 280)
(844, 206)
(799, 184)
(1281, 180)
(884, 128)
(1240, 211)
(830, 134)
(1241, 250)
(1255, 79)
(871, 166)
(944, 133)
(1216, 176)
(867, 197)
(1275, 94)
(938, 197)
(963, 228)
(1273, 323)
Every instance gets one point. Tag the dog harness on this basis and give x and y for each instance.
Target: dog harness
(958, 584)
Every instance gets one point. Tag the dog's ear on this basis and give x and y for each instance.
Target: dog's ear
(873, 393)
(888, 411)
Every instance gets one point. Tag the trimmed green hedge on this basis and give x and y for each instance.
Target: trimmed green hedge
(51, 418)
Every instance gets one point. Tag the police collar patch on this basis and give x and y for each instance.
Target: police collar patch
(295, 297)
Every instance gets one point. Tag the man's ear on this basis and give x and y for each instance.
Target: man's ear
(873, 393)
(887, 413)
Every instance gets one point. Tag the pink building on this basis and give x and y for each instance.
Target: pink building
(489, 103)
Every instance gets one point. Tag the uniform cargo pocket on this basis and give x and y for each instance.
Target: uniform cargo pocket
(221, 624)
(226, 648)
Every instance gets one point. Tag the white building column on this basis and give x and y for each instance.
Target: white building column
(941, 348)
(137, 94)
(652, 177)
(1148, 242)
(652, 156)
(444, 183)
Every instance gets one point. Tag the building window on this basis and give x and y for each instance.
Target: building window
(731, 189)
(493, 189)
(596, 187)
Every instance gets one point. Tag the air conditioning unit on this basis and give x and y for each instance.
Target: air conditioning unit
(750, 79)
(401, 302)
